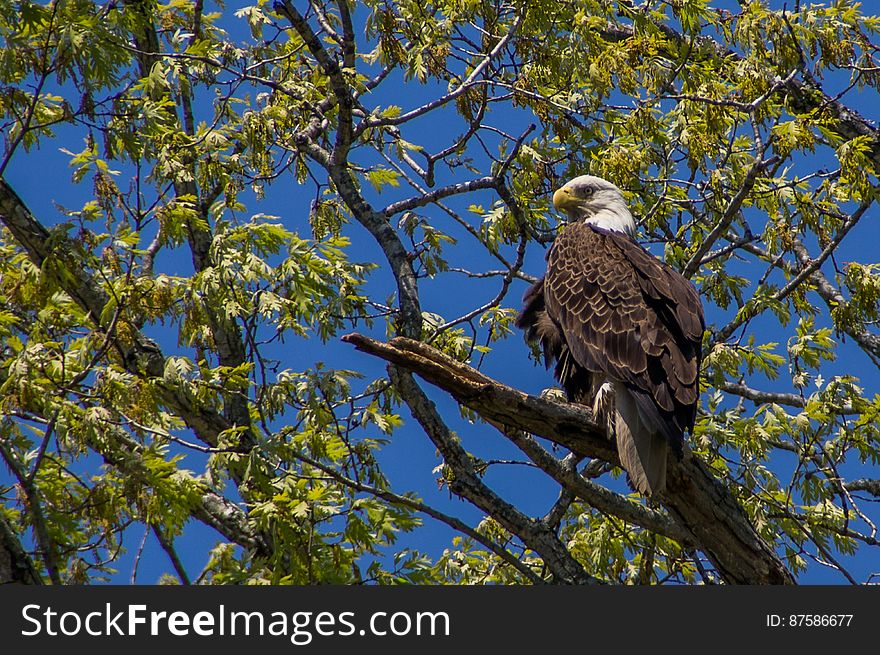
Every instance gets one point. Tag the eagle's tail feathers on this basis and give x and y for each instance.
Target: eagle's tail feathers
(659, 423)
(641, 446)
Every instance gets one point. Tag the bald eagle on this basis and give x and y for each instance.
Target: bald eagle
(623, 328)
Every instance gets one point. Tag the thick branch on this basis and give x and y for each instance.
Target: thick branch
(34, 239)
(46, 548)
(832, 296)
(869, 342)
(409, 322)
(123, 453)
(467, 484)
(694, 498)
(470, 80)
(15, 565)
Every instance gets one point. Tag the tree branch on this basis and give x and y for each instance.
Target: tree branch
(870, 343)
(729, 215)
(409, 321)
(467, 484)
(596, 495)
(46, 547)
(451, 521)
(330, 66)
(488, 182)
(15, 565)
(143, 356)
(697, 501)
(864, 484)
(761, 397)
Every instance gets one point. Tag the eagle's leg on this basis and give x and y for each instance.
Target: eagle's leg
(603, 401)
(604, 411)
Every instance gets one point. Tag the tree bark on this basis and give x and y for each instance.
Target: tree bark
(15, 565)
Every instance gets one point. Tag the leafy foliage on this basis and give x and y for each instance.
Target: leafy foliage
(242, 192)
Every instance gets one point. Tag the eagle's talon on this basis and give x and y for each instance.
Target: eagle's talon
(555, 394)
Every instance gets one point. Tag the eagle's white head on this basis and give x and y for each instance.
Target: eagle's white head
(596, 201)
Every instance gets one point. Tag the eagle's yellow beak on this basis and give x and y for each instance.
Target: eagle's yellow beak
(564, 199)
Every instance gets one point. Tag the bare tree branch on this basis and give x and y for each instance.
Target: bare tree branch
(864, 484)
(831, 295)
(488, 182)
(730, 213)
(812, 266)
(330, 66)
(410, 317)
(465, 84)
(168, 546)
(790, 399)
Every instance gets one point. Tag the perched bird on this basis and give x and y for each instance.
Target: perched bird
(623, 328)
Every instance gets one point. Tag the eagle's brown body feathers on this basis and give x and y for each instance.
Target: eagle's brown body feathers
(607, 311)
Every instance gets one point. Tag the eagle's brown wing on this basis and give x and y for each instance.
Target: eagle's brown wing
(541, 329)
(679, 313)
(625, 314)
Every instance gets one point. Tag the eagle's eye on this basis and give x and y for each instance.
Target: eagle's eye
(586, 192)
